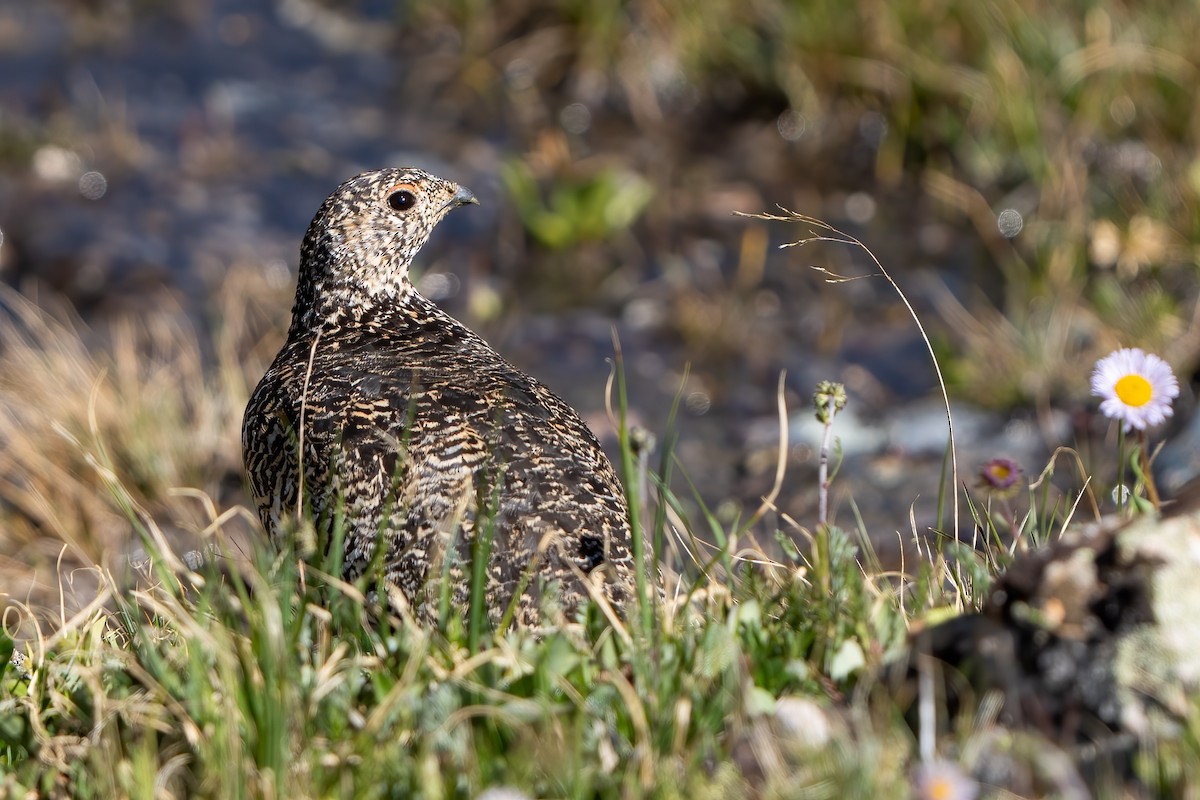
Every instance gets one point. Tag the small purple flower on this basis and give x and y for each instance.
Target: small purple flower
(1000, 476)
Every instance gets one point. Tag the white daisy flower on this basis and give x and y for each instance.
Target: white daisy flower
(943, 780)
(1136, 387)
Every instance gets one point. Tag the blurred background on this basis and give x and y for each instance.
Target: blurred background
(1027, 171)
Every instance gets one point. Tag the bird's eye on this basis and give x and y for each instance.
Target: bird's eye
(402, 200)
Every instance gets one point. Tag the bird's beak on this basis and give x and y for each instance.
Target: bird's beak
(462, 197)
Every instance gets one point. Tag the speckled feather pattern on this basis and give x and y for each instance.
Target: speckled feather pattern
(384, 409)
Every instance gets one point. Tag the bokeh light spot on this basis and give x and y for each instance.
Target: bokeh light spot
(791, 125)
(1010, 222)
(575, 118)
(860, 207)
(92, 185)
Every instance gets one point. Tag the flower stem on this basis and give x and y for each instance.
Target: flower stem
(823, 467)
(1122, 493)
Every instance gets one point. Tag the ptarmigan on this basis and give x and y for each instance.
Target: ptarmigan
(386, 419)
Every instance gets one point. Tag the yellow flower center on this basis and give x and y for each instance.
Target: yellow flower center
(941, 789)
(1134, 390)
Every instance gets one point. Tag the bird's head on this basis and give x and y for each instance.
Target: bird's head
(361, 242)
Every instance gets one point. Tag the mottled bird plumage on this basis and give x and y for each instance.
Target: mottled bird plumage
(386, 411)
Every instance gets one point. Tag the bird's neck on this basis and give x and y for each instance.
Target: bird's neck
(327, 297)
(339, 309)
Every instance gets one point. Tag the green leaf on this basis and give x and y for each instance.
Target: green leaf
(6, 651)
(848, 659)
(759, 701)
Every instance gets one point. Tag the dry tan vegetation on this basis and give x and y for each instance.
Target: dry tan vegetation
(143, 413)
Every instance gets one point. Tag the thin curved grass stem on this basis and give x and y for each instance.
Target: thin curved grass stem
(836, 236)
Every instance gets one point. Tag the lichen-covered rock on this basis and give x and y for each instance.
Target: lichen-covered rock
(1092, 642)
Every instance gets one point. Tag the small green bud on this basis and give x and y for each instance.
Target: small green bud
(641, 441)
(827, 391)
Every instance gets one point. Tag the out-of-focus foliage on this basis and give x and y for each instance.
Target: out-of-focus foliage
(581, 211)
(1076, 116)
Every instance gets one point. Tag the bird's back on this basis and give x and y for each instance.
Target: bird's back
(417, 435)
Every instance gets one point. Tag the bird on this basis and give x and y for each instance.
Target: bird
(405, 437)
